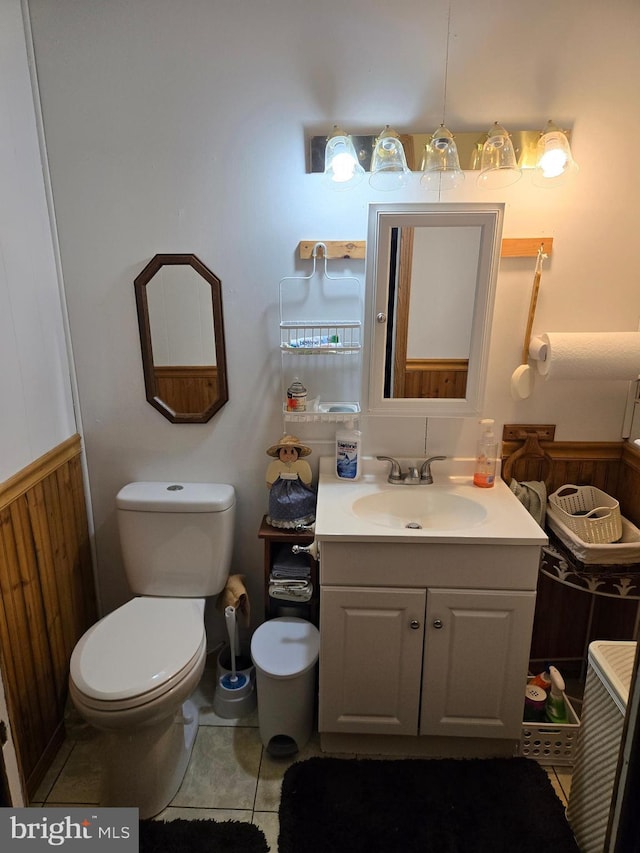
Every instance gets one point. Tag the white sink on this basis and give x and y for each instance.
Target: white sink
(451, 510)
(420, 507)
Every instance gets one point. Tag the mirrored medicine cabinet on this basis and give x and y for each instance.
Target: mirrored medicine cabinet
(430, 286)
(179, 302)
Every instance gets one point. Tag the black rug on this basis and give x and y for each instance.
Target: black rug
(504, 805)
(201, 836)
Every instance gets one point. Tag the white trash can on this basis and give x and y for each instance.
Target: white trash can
(285, 652)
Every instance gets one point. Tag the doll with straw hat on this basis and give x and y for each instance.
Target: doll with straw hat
(292, 501)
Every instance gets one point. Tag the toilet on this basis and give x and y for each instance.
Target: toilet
(132, 673)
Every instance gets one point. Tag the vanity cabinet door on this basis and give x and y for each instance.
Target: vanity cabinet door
(475, 662)
(370, 659)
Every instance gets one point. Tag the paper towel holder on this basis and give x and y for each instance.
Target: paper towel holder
(522, 376)
(538, 349)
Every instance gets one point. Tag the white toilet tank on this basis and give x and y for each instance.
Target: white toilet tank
(176, 538)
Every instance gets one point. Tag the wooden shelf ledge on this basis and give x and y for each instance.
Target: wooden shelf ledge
(512, 247)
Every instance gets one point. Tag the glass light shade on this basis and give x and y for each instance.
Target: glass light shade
(441, 164)
(389, 170)
(498, 164)
(342, 170)
(554, 161)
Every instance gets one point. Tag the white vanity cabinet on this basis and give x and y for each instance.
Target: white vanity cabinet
(476, 654)
(428, 662)
(371, 659)
(441, 655)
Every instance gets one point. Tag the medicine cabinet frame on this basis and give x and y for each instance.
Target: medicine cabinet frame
(383, 219)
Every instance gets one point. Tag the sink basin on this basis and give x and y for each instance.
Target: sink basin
(449, 511)
(418, 508)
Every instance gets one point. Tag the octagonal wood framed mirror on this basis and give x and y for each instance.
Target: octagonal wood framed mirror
(179, 302)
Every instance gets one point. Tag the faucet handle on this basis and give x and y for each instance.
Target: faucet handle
(425, 469)
(395, 474)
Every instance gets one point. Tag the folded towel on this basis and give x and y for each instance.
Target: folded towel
(293, 573)
(533, 496)
(291, 590)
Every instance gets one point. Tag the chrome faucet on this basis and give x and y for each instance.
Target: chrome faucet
(425, 470)
(413, 476)
(395, 472)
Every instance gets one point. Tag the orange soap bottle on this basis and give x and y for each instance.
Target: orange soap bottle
(485, 471)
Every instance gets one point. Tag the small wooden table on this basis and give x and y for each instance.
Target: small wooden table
(274, 538)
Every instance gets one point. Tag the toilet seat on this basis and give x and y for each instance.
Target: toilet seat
(139, 652)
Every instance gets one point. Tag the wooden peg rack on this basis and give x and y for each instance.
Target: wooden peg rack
(336, 249)
(512, 247)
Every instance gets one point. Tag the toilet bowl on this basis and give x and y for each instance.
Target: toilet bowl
(132, 673)
(136, 694)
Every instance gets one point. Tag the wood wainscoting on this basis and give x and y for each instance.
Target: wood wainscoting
(187, 389)
(597, 463)
(570, 612)
(47, 599)
(441, 378)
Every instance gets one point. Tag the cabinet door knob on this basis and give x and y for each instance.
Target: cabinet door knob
(381, 318)
(437, 623)
(414, 624)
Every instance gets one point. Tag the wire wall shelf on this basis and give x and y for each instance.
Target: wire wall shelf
(321, 315)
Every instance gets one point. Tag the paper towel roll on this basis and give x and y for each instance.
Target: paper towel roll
(589, 355)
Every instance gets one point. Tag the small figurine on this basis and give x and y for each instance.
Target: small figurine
(292, 501)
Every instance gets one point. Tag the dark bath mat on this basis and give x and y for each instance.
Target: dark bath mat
(503, 805)
(201, 836)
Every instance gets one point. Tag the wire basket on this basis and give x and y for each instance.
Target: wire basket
(590, 513)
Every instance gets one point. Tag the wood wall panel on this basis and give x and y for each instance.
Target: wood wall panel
(441, 379)
(628, 492)
(560, 622)
(568, 618)
(47, 599)
(578, 462)
(187, 389)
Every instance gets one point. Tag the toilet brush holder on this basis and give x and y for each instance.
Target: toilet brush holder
(234, 699)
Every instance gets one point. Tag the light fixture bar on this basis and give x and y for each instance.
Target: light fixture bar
(469, 144)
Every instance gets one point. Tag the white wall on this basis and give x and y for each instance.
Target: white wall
(35, 388)
(180, 127)
(36, 412)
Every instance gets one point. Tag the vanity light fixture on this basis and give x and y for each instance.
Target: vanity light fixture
(441, 164)
(499, 158)
(342, 170)
(498, 164)
(554, 160)
(389, 170)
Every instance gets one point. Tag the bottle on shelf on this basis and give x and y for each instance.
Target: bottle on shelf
(296, 396)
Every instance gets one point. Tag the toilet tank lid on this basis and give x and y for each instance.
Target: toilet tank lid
(175, 497)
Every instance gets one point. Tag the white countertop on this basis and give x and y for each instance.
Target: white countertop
(507, 522)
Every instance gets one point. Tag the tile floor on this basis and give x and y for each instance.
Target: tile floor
(230, 775)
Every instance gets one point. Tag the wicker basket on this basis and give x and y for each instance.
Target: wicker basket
(590, 513)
